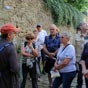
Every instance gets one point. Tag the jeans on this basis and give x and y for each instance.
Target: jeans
(32, 71)
(79, 77)
(65, 79)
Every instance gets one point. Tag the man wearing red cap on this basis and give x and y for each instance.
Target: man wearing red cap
(8, 57)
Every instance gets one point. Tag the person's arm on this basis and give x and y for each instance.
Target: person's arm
(51, 55)
(68, 55)
(12, 57)
(84, 70)
(24, 53)
(34, 51)
(83, 66)
(83, 59)
(63, 64)
(45, 49)
(56, 51)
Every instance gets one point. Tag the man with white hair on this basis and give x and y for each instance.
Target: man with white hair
(51, 45)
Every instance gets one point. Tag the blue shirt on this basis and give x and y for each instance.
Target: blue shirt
(52, 44)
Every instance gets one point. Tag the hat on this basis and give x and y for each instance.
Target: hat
(6, 28)
(38, 25)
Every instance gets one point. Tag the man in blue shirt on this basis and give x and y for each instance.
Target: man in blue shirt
(51, 45)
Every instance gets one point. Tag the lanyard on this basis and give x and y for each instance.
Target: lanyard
(65, 47)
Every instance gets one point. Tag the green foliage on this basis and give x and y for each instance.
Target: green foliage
(81, 5)
(18, 49)
(64, 13)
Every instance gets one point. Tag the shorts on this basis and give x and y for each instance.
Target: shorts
(49, 65)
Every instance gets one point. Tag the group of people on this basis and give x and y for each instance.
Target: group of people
(57, 52)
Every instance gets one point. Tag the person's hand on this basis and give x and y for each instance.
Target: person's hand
(51, 55)
(85, 73)
(30, 45)
(56, 66)
(54, 69)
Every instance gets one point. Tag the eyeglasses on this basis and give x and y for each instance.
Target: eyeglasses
(62, 37)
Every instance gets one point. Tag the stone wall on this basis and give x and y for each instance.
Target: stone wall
(26, 14)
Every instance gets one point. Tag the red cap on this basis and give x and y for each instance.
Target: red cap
(6, 28)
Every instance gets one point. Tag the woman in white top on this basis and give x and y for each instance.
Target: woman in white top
(65, 63)
(29, 53)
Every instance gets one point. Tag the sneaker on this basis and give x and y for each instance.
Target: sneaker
(30, 79)
(39, 79)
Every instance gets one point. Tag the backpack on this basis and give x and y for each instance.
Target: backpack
(4, 45)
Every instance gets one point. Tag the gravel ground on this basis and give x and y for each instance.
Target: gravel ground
(43, 83)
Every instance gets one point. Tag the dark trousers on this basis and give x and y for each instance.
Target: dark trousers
(86, 81)
(43, 60)
(65, 79)
(39, 63)
(79, 76)
(32, 72)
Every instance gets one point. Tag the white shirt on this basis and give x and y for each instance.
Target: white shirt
(41, 36)
(68, 52)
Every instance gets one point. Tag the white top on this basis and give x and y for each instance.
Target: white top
(27, 50)
(41, 36)
(68, 52)
(79, 44)
(38, 47)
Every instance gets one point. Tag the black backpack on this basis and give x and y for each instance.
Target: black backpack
(25, 43)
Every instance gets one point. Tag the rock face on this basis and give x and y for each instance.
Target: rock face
(25, 14)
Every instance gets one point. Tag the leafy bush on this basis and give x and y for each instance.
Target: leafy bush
(64, 13)
(18, 49)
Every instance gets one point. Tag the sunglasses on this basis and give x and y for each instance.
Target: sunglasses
(52, 29)
(29, 38)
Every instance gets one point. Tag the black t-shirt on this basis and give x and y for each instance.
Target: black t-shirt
(84, 55)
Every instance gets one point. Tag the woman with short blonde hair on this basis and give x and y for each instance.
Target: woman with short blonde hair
(29, 52)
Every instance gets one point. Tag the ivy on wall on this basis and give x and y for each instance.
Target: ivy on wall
(81, 5)
(64, 13)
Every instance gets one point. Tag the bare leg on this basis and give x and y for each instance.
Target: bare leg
(50, 80)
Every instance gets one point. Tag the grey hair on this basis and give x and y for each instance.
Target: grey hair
(79, 25)
(66, 34)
